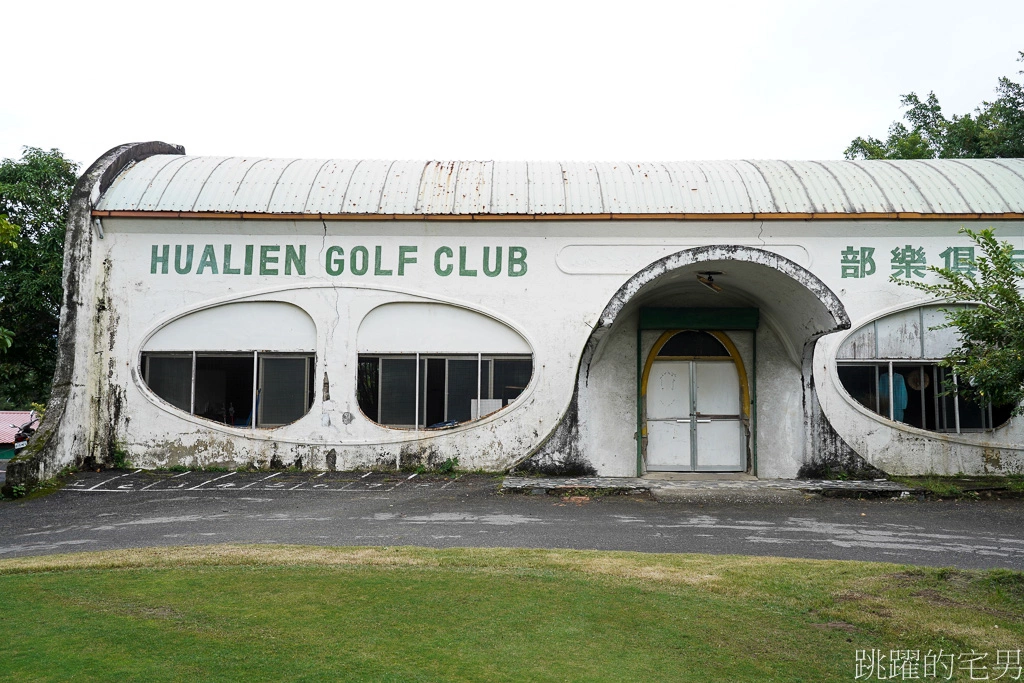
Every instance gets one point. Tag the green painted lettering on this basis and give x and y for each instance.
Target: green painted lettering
(228, 270)
(404, 258)
(463, 271)
(360, 261)
(291, 257)
(516, 261)
(160, 258)
(207, 260)
(187, 268)
(335, 261)
(267, 261)
(497, 262)
(377, 270)
(248, 259)
(443, 271)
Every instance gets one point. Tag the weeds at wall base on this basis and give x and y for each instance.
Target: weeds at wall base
(966, 487)
(9, 492)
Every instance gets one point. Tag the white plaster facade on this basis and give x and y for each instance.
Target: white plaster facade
(572, 300)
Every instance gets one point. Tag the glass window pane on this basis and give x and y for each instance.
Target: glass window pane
(938, 343)
(899, 335)
(224, 389)
(691, 343)
(283, 391)
(510, 378)
(860, 344)
(170, 378)
(433, 392)
(917, 392)
(462, 389)
(366, 386)
(859, 382)
(398, 391)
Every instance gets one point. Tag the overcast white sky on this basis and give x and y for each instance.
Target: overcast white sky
(550, 80)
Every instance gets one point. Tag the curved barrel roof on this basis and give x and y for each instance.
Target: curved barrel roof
(197, 185)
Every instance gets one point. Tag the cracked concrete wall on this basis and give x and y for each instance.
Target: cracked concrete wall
(582, 277)
(75, 430)
(796, 308)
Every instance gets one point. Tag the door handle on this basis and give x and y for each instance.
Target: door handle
(707, 420)
(686, 420)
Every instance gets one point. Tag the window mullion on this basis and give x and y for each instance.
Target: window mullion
(878, 398)
(255, 388)
(924, 404)
(479, 381)
(956, 402)
(192, 400)
(892, 410)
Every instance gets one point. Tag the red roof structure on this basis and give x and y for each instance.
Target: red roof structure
(11, 421)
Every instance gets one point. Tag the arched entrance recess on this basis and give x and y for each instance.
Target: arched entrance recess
(790, 308)
(696, 404)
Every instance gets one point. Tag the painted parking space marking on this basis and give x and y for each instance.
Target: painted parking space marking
(195, 488)
(112, 479)
(197, 481)
(158, 482)
(452, 481)
(264, 479)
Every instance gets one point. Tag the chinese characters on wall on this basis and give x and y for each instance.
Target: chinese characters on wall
(909, 261)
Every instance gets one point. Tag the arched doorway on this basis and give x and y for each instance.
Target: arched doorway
(773, 310)
(696, 404)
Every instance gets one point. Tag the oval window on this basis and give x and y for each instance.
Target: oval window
(891, 367)
(246, 364)
(435, 366)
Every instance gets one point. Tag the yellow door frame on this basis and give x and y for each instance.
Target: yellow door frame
(734, 355)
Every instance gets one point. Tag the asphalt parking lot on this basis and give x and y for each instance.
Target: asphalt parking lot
(138, 481)
(134, 508)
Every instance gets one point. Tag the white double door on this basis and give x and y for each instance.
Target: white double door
(693, 417)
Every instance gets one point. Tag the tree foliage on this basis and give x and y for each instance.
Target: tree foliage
(34, 195)
(996, 129)
(990, 359)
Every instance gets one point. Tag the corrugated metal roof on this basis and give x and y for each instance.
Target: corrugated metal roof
(373, 187)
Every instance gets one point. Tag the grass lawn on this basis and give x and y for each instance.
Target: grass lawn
(410, 614)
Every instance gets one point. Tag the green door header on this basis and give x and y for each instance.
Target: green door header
(699, 318)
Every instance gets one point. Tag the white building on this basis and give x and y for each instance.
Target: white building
(737, 316)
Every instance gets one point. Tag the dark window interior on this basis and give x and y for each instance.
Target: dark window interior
(510, 378)
(170, 378)
(692, 343)
(224, 388)
(925, 407)
(449, 388)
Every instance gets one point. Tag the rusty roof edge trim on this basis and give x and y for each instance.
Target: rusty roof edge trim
(249, 215)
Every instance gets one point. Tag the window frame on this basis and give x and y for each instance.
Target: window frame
(484, 384)
(938, 400)
(309, 395)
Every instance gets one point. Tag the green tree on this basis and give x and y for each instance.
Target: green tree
(989, 362)
(34, 195)
(996, 129)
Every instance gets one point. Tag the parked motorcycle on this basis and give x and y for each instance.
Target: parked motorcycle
(25, 431)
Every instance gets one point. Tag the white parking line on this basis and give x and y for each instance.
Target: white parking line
(163, 480)
(259, 480)
(210, 481)
(112, 479)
